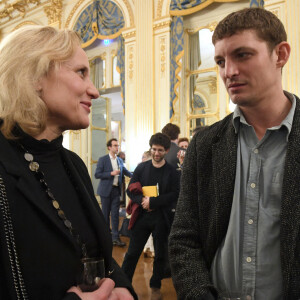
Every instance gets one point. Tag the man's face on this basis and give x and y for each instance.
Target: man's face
(114, 148)
(158, 153)
(247, 67)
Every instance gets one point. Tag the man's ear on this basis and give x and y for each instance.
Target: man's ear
(167, 150)
(283, 51)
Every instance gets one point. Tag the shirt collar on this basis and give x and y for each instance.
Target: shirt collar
(111, 157)
(239, 118)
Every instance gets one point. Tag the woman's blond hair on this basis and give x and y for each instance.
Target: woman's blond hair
(26, 55)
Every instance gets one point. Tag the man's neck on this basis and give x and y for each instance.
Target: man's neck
(158, 164)
(266, 115)
(112, 154)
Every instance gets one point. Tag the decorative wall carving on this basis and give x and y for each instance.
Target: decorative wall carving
(130, 62)
(53, 11)
(162, 48)
(12, 9)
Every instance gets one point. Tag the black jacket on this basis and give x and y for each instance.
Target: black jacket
(168, 191)
(47, 252)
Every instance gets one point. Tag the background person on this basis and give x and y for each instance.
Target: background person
(172, 131)
(183, 142)
(111, 170)
(155, 213)
(236, 228)
(49, 217)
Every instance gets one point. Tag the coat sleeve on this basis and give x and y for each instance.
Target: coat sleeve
(190, 273)
(136, 177)
(101, 172)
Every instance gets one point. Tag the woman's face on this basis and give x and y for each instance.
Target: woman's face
(68, 93)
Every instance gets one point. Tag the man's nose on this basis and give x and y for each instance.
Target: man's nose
(231, 69)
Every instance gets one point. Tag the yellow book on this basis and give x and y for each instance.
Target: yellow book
(150, 191)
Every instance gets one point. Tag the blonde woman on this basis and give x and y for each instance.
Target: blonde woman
(50, 220)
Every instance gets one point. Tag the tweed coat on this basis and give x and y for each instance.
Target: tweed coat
(204, 207)
(48, 254)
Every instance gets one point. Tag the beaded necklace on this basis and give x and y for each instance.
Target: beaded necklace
(39, 175)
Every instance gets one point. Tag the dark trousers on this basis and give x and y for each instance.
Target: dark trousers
(146, 224)
(110, 206)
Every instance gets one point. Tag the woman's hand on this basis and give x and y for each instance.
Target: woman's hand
(106, 291)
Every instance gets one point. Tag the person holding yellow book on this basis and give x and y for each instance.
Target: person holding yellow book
(156, 199)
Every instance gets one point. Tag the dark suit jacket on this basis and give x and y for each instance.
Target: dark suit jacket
(171, 156)
(168, 192)
(103, 170)
(204, 207)
(47, 252)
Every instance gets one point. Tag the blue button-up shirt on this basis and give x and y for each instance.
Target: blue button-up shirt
(247, 264)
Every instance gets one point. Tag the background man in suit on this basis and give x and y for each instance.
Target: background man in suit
(236, 232)
(155, 213)
(110, 169)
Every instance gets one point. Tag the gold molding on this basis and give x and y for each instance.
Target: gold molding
(18, 8)
(162, 25)
(131, 16)
(129, 34)
(73, 12)
(24, 24)
(53, 12)
(199, 7)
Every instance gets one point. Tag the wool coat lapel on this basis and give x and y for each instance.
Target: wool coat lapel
(290, 204)
(91, 207)
(224, 153)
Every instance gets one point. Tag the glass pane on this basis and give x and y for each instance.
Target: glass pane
(98, 143)
(207, 49)
(203, 93)
(116, 74)
(95, 182)
(99, 112)
(201, 50)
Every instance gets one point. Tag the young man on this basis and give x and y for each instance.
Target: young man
(155, 213)
(236, 228)
(111, 170)
(172, 131)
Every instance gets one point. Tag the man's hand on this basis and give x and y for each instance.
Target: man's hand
(115, 172)
(106, 291)
(146, 203)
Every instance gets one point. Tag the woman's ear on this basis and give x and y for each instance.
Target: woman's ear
(283, 51)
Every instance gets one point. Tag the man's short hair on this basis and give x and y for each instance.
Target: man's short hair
(160, 139)
(183, 139)
(171, 130)
(266, 25)
(109, 143)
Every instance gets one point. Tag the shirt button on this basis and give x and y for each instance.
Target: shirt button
(255, 151)
(248, 259)
(250, 221)
(253, 185)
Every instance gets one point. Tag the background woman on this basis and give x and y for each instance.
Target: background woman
(49, 217)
